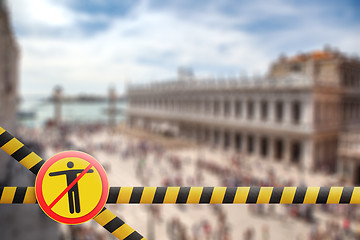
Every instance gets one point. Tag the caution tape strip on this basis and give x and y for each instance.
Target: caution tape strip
(20, 152)
(234, 195)
(23, 195)
(116, 226)
(207, 195)
(17, 195)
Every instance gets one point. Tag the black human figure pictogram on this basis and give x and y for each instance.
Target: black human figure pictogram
(73, 193)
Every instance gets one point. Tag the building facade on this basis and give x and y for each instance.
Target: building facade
(16, 221)
(295, 114)
(9, 58)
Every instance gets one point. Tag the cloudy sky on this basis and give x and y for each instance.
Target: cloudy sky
(87, 45)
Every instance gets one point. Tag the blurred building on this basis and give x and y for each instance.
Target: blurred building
(16, 221)
(9, 60)
(296, 114)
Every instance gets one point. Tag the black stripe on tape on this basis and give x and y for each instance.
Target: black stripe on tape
(21, 153)
(5, 137)
(159, 195)
(253, 195)
(104, 208)
(1, 191)
(323, 195)
(19, 195)
(299, 195)
(114, 224)
(136, 195)
(134, 236)
(183, 195)
(35, 169)
(229, 195)
(346, 195)
(113, 194)
(276, 195)
(206, 195)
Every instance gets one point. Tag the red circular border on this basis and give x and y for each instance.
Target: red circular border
(40, 197)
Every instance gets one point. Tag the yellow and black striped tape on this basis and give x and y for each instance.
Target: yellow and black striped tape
(208, 195)
(116, 226)
(234, 195)
(23, 195)
(172, 195)
(17, 195)
(21, 153)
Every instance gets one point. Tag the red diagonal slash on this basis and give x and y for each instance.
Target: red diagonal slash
(70, 186)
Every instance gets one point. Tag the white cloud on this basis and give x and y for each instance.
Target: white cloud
(149, 44)
(46, 13)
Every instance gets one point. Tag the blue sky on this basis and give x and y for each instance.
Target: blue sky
(85, 46)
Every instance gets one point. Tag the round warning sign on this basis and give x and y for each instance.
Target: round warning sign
(71, 187)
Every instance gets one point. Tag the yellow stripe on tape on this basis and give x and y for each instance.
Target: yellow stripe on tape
(2, 130)
(264, 195)
(311, 195)
(123, 231)
(124, 195)
(30, 195)
(104, 217)
(8, 195)
(334, 195)
(288, 195)
(30, 160)
(218, 195)
(148, 195)
(12, 146)
(355, 198)
(241, 194)
(171, 194)
(194, 195)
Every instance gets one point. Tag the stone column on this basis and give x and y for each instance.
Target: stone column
(232, 144)
(112, 106)
(307, 155)
(287, 112)
(271, 111)
(307, 112)
(256, 145)
(244, 143)
(213, 139)
(287, 150)
(212, 107)
(232, 107)
(199, 134)
(221, 107)
(271, 148)
(257, 106)
(243, 109)
(202, 106)
(221, 138)
(57, 98)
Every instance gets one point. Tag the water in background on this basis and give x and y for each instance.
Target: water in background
(79, 112)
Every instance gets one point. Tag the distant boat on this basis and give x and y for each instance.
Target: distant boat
(25, 115)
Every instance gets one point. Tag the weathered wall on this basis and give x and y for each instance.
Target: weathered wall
(9, 58)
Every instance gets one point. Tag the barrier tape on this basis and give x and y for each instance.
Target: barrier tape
(17, 195)
(26, 195)
(234, 195)
(19, 152)
(207, 195)
(116, 226)
(172, 195)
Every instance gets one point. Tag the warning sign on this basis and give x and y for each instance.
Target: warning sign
(71, 187)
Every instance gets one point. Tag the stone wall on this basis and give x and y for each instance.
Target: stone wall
(9, 58)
